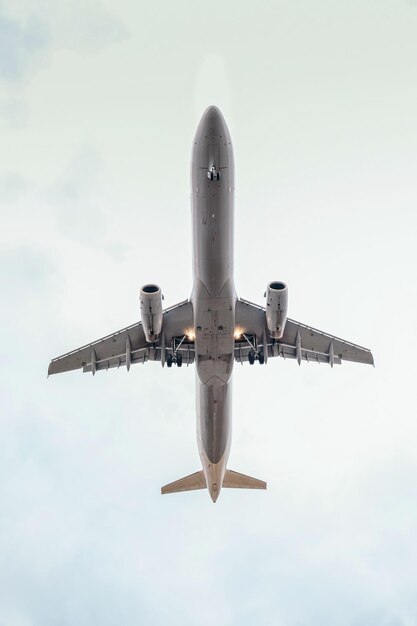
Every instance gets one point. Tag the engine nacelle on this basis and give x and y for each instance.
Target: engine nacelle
(276, 308)
(151, 312)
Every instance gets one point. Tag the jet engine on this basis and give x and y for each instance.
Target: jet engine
(151, 312)
(276, 308)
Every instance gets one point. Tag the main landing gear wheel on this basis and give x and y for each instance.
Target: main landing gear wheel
(256, 356)
(179, 359)
(169, 360)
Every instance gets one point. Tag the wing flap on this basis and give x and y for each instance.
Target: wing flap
(128, 346)
(299, 341)
(141, 356)
(286, 351)
(316, 341)
(109, 348)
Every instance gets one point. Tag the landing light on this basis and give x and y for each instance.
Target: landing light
(190, 335)
(238, 333)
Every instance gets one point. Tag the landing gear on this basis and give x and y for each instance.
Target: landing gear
(175, 354)
(256, 356)
(174, 358)
(254, 353)
(213, 174)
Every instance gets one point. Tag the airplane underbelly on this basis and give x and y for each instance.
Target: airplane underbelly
(214, 337)
(213, 240)
(214, 295)
(214, 424)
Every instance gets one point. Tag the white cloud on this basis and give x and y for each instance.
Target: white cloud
(75, 198)
(22, 45)
(15, 112)
(12, 186)
(30, 34)
(85, 27)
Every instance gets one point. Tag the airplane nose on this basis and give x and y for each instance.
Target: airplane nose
(212, 145)
(212, 111)
(213, 120)
(212, 117)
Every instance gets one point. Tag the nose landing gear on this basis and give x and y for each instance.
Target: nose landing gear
(213, 174)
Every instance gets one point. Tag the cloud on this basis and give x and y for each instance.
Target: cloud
(15, 112)
(22, 43)
(25, 272)
(377, 618)
(75, 200)
(27, 42)
(12, 186)
(86, 27)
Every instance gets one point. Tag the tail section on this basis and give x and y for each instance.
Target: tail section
(234, 480)
(188, 483)
(231, 480)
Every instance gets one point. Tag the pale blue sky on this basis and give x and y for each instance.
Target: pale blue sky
(98, 106)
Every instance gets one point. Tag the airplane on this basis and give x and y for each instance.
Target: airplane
(214, 328)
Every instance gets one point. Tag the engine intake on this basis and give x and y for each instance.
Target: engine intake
(276, 308)
(151, 312)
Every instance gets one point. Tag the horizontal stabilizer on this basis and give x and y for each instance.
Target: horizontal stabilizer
(188, 483)
(234, 480)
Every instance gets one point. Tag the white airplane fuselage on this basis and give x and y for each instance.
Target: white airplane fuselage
(214, 295)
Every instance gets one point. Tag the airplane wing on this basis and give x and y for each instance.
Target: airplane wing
(299, 341)
(128, 346)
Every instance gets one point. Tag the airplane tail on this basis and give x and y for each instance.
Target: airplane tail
(231, 480)
(188, 483)
(234, 480)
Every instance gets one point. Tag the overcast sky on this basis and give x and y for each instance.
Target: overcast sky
(99, 101)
